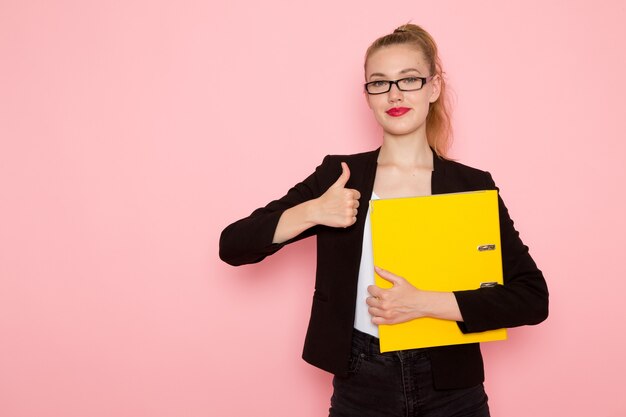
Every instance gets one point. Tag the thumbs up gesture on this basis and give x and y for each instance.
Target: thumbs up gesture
(337, 207)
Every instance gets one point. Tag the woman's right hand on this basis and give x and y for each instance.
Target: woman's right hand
(337, 207)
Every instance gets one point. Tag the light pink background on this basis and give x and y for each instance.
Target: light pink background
(132, 132)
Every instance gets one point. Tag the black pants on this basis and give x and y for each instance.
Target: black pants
(398, 384)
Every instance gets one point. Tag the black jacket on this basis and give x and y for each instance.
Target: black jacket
(523, 299)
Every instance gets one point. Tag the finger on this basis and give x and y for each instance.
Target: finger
(353, 204)
(356, 194)
(380, 320)
(372, 301)
(350, 222)
(376, 312)
(375, 291)
(388, 276)
(343, 178)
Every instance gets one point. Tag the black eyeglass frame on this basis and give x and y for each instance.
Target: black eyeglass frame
(396, 82)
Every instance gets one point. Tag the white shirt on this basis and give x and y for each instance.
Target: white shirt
(362, 318)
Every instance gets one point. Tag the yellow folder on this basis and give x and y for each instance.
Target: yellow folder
(443, 242)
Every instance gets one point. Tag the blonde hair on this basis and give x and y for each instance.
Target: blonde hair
(438, 124)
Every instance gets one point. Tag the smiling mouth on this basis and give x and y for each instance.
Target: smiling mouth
(397, 111)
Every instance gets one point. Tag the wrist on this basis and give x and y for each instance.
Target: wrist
(422, 304)
(312, 212)
(429, 304)
(439, 305)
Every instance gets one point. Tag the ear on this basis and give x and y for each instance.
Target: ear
(436, 88)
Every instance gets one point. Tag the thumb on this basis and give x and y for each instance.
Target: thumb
(343, 178)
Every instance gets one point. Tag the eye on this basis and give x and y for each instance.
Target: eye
(379, 84)
(411, 80)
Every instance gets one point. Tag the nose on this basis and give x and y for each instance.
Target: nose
(394, 95)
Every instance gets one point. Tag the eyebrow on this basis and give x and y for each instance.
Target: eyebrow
(404, 71)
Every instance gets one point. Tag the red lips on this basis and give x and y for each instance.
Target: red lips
(397, 111)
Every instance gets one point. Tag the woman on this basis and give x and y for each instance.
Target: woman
(405, 90)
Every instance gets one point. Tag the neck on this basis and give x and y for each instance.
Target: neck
(406, 151)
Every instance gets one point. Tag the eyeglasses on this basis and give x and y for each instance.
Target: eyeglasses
(403, 84)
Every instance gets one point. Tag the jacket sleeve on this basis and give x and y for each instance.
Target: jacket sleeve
(523, 297)
(249, 240)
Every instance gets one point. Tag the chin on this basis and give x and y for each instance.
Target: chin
(399, 134)
(399, 131)
(400, 127)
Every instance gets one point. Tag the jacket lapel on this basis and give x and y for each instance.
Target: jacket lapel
(438, 184)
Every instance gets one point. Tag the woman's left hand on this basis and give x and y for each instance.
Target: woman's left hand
(403, 302)
(397, 304)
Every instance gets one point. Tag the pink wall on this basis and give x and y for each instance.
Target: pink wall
(129, 138)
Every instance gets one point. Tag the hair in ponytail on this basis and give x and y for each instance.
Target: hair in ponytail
(438, 124)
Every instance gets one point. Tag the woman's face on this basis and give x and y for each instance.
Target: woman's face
(401, 112)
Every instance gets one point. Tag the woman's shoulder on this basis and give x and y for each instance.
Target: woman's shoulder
(462, 173)
(453, 165)
(356, 161)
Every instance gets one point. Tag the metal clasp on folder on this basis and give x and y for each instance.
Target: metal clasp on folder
(483, 248)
